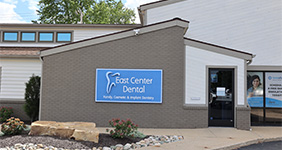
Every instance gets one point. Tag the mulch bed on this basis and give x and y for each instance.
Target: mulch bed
(104, 140)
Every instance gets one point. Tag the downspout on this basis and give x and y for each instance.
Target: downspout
(248, 62)
(251, 60)
(40, 100)
(141, 15)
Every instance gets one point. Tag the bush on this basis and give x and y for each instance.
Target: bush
(122, 128)
(137, 134)
(32, 95)
(13, 126)
(5, 113)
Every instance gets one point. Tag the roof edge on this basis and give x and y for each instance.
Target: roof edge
(158, 4)
(23, 25)
(264, 67)
(115, 36)
(20, 56)
(218, 49)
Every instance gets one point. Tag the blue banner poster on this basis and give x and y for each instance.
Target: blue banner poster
(129, 85)
(255, 101)
(255, 89)
(273, 88)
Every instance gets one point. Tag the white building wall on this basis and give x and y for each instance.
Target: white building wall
(250, 25)
(85, 34)
(196, 77)
(15, 72)
(78, 34)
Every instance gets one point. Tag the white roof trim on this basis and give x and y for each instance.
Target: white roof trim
(218, 49)
(158, 4)
(264, 68)
(115, 36)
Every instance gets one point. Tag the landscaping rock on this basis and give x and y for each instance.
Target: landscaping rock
(85, 131)
(127, 146)
(106, 148)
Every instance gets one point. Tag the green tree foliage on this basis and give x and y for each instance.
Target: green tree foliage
(32, 96)
(90, 11)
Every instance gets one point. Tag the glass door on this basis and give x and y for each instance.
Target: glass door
(221, 97)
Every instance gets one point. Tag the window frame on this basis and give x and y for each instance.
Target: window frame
(63, 41)
(21, 37)
(264, 122)
(3, 35)
(39, 41)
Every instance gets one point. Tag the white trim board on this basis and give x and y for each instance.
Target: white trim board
(218, 49)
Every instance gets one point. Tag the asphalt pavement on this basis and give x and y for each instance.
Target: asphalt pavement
(277, 145)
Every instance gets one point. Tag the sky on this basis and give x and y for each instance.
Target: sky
(23, 11)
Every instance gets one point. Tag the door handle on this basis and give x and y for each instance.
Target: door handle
(211, 98)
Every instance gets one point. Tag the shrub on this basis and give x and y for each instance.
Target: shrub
(137, 134)
(5, 113)
(12, 126)
(32, 95)
(122, 128)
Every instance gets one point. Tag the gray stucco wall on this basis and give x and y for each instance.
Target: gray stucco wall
(69, 82)
(18, 110)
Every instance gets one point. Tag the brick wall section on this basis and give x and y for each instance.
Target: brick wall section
(69, 81)
(243, 118)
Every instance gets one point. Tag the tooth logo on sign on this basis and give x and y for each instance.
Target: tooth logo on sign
(110, 84)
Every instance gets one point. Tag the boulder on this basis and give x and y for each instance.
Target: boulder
(85, 131)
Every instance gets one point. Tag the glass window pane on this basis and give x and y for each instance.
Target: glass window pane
(255, 89)
(256, 116)
(46, 37)
(273, 116)
(28, 36)
(63, 37)
(10, 36)
(273, 89)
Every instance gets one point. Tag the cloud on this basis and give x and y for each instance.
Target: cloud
(133, 4)
(32, 5)
(7, 13)
(10, 1)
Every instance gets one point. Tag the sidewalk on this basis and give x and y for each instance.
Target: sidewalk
(213, 138)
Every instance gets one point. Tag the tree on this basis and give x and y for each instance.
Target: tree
(32, 95)
(84, 11)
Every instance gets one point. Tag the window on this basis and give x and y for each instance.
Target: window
(63, 37)
(10, 36)
(255, 89)
(265, 97)
(46, 37)
(36, 36)
(28, 37)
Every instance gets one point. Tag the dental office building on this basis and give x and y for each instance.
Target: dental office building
(171, 72)
(151, 74)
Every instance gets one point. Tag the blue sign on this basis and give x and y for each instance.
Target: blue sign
(129, 85)
(271, 102)
(255, 101)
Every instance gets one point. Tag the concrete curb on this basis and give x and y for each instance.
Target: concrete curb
(247, 143)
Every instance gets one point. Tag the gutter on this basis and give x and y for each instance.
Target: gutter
(251, 60)
(141, 15)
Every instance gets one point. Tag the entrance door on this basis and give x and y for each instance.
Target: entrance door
(221, 97)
